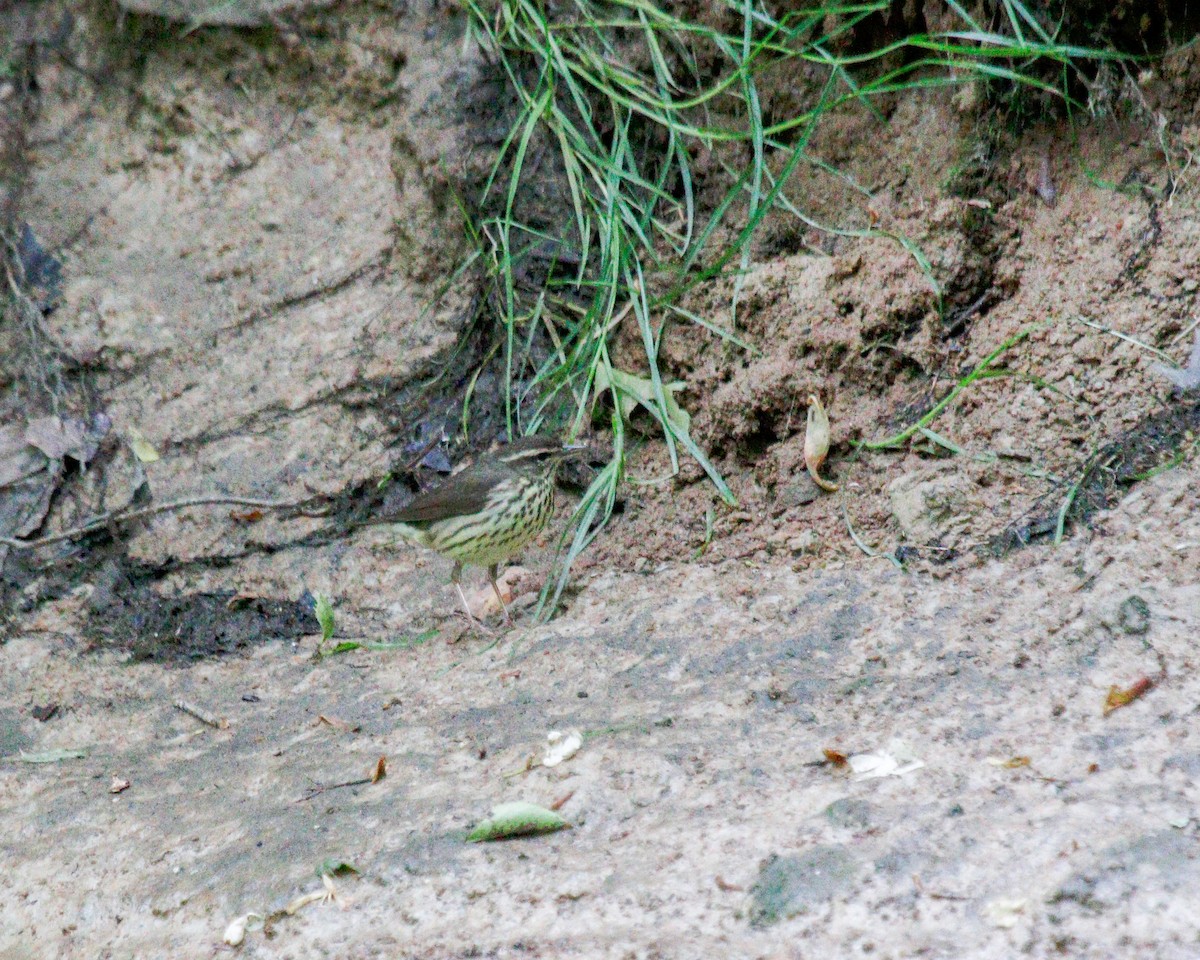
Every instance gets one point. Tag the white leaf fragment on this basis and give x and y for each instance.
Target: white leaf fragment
(235, 933)
(561, 746)
(1004, 912)
(142, 448)
(895, 760)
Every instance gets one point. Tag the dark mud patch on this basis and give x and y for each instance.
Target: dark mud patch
(189, 627)
(125, 613)
(1160, 442)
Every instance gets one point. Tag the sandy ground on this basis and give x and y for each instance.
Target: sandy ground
(704, 820)
(250, 230)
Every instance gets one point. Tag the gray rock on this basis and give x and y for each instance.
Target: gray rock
(1154, 864)
(796, 493)
(929, 504)
(900, 862)
(850, 813)
(791, 885)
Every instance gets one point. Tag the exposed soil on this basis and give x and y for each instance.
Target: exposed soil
(861, 329)
(238, 245)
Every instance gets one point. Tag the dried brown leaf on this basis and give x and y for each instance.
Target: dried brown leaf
(1118, 698)
(816, 443)
(338, 724)
(562, 801)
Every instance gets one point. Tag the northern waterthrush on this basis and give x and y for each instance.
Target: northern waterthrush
(485, 513)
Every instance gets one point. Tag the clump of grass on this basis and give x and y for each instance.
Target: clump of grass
(615, 102)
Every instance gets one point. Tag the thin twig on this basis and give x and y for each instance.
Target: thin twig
(119, 516)
(425, 451)
(318, 790)
(1124, 336)
(203, 716)
(1186, 330)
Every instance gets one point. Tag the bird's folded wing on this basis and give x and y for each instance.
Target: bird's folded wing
(458, 497)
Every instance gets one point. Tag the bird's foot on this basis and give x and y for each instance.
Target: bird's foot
(462, 622)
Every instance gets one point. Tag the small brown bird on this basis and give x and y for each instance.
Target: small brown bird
(487, 512)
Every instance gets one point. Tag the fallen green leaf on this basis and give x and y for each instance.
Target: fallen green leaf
(934, 437)
(517, 819)
(53, 756)
(324, 613)
(406, 644)
(333, 867)
(630, 391)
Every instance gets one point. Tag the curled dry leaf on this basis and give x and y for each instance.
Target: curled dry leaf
(1118, 698)
(380, 770)
(836, 757)
(57, 437)
(327, 895)
(816, 443)
(43, 714)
